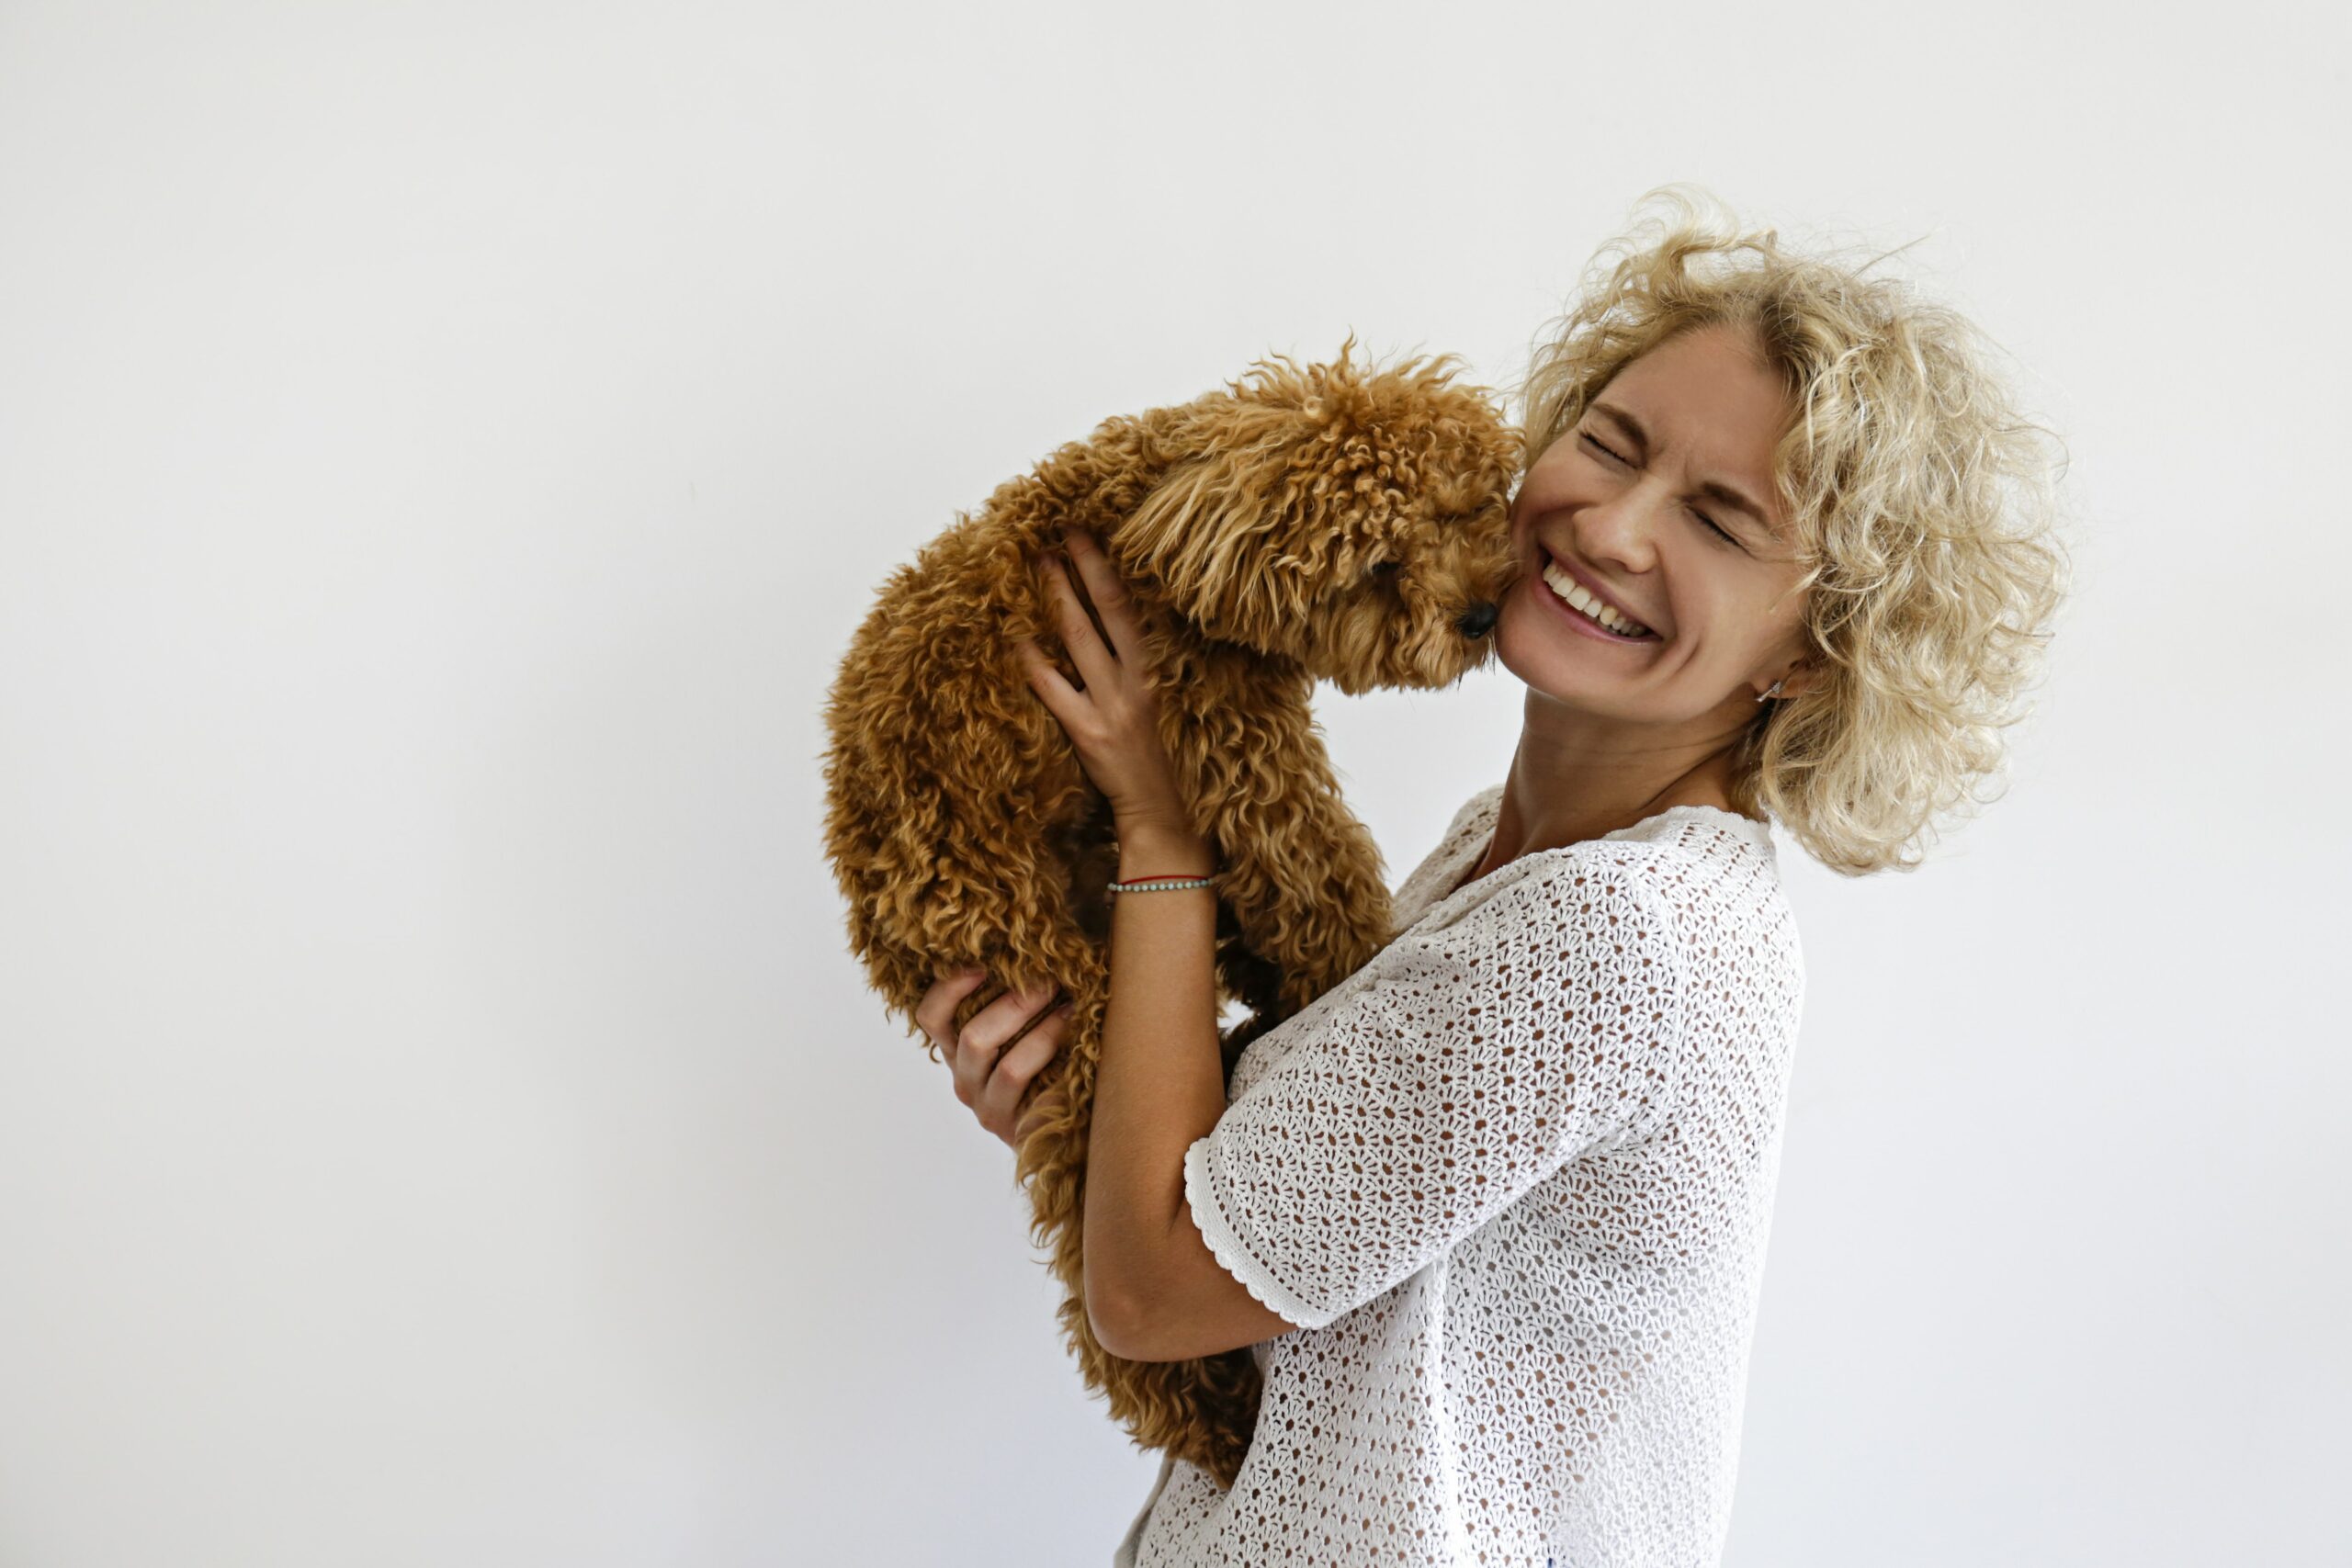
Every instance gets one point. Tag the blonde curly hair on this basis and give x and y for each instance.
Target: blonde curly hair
(1924, 509)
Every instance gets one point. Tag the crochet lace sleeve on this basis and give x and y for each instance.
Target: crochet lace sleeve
(1465, 1064)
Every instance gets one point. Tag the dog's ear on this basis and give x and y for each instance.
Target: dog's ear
(1210, 535)
(1265, 478)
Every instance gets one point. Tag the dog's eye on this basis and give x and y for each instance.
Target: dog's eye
(1387, 569)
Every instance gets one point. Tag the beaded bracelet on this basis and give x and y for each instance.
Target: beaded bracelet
(1161, 884)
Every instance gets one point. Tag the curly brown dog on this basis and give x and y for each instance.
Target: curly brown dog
(1335, 524)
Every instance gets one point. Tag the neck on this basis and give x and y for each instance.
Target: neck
(1572, 779)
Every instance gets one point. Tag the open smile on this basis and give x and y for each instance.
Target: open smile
(1581, 620)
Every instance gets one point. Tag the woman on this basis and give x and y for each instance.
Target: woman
(1492, 1212)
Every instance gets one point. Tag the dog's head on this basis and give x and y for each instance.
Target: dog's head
(1356, 521)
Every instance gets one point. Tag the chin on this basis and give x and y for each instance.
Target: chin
(1532, 648)
(1550, 659)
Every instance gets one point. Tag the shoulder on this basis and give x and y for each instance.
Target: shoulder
(1700, 869)
(1598, 888)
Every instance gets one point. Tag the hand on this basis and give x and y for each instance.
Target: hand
(990, 1078)
(1114, 721)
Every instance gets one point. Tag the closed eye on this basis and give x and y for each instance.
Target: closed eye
(1695, 511)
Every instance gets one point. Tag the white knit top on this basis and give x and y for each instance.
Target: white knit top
(1513, 1180)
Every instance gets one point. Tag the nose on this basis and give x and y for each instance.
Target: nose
(1621, 528)
(1478, 620)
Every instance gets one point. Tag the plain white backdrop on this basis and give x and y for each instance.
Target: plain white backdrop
(445, 448)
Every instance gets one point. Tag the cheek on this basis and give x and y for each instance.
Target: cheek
(1788, 639)
(1744, 617)
(1520, 626)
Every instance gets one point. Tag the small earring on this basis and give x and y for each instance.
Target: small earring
(1773, 690)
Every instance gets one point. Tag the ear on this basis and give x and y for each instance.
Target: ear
(1798, 677)
(1210, 535)
(1249, 470)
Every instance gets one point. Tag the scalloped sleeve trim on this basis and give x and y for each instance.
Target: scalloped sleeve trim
(1227, 1249)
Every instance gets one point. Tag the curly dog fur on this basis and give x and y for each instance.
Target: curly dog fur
(1337, 524)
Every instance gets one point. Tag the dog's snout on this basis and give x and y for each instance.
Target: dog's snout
(1478, 620)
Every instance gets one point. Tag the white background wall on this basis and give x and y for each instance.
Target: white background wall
(444, 449)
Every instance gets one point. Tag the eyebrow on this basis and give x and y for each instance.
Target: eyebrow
(1713, 490)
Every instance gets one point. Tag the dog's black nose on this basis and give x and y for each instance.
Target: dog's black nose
(1478, 620)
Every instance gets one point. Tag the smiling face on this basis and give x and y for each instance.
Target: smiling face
(1660, 503)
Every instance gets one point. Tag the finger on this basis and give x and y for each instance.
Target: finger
(1097, 664)
(1053, 688)
(1001, 1097)
(935, 1015)
(1108, 593)
(989, 1032)
(1045, 1103)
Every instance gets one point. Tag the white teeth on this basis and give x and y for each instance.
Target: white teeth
(1569, 589)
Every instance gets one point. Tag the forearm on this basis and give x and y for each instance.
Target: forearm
(1159, 1083)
